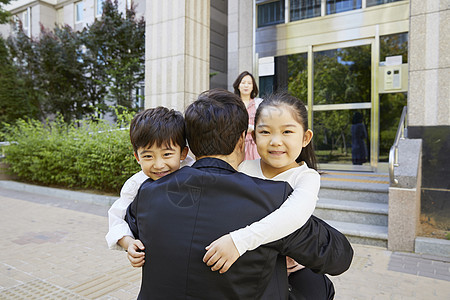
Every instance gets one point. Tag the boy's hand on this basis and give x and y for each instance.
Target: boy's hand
(221, 254)
(136, 254)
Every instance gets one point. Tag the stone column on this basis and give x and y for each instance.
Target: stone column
(176, 52)
(240, 39)
(429, 102)
(404, 197)
(429, 63)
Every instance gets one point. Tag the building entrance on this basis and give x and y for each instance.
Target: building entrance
(336, 81)
(342, 105)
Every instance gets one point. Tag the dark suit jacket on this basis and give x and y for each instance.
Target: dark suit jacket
(178, 215)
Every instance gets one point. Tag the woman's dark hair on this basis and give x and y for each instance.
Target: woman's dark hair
(158, 125)
(299, 113)
(215, 122)
(238, 80)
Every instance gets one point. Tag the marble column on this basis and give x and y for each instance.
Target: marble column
(429, 63)
(177, 52)
(240, 39)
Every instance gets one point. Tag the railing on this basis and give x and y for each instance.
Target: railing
(393, 153)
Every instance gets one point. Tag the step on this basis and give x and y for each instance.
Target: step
(352, 211)
(362, 233)
(358, 186)
(354, 193)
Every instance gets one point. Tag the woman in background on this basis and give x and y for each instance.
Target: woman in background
(246, 88)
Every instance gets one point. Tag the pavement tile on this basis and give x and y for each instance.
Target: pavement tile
(66, 247)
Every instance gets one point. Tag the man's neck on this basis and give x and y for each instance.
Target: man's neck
(232, 160)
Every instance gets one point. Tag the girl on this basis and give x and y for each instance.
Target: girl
(284, 143)
(245, 87)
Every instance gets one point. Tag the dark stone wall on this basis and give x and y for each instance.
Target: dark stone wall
(435, 192)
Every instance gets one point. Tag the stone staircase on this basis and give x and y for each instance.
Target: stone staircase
(356, 203)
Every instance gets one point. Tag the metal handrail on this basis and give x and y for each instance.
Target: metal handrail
(393, 152)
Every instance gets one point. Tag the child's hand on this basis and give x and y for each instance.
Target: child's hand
(136, 254)
(221, 254)
(292, 266)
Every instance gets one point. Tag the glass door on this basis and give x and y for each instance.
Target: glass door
(341, 105)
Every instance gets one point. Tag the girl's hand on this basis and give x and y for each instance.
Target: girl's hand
(221, 254)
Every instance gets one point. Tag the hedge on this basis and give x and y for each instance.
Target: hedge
(86, 155)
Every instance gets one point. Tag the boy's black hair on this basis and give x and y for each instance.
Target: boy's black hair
(299, 112)
(159, 125)
(238, 80)
(215, 122)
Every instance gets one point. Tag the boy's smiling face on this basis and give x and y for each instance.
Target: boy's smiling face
(157, 162)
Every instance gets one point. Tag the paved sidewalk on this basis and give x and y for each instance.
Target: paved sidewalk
(54, 248)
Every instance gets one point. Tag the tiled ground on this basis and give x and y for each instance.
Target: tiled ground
(56, 250)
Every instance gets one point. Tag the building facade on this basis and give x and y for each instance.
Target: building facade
(347, 60)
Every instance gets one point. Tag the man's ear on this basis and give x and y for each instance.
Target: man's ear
(137, 157)
(184, 153)
(307, 137)
(242, 140)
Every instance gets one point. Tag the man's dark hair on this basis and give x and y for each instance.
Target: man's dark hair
(158, 125)
(214, 123)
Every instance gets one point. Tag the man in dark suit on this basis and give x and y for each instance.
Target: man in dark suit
(178, 215)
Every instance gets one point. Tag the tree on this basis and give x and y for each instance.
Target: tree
(4, 15)
(14, 103)
(71, 73)
(118, 44)
(61, 74)
(26, 62)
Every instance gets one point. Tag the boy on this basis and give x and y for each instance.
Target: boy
(158, 137)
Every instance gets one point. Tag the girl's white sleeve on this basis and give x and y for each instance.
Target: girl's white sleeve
(289, 217)
(118, 227)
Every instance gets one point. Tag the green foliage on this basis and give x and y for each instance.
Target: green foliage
(14, 102)
(88, 154)
(73, 73)
(4, 15)
(61, 74)
(117, 42)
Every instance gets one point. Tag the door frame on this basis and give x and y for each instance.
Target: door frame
(373, 104)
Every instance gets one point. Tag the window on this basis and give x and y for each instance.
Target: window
(337, 6)
(304, 9)
(25, 19)
(271, 13)
(79, 8)
(378, 2)
(99, 7)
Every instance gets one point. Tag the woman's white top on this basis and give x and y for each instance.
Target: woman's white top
(290, 216)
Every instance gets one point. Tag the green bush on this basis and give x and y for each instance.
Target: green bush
(85, 155)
